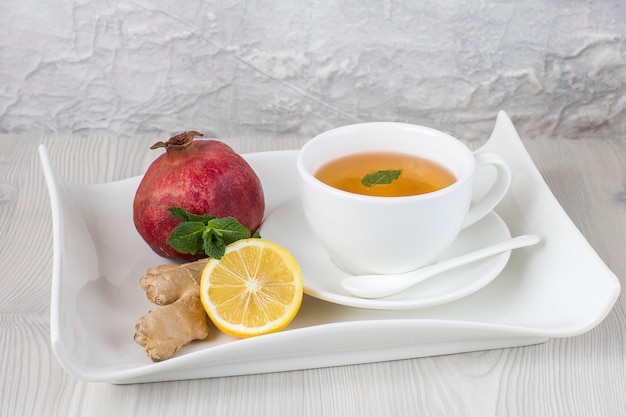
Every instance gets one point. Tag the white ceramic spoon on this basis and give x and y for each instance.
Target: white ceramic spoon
(376, 286)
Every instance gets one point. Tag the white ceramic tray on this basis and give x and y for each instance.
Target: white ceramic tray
(558, 289)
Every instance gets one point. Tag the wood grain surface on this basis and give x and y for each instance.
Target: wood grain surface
(578, 376)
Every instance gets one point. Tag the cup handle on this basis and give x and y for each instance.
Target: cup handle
(498, 190)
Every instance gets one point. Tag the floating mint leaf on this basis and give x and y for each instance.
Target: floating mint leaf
(381, 177)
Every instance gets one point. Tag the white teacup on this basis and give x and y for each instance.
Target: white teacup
(386, 235)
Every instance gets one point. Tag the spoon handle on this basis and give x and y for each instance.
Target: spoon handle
(376, 286)
(513, 243)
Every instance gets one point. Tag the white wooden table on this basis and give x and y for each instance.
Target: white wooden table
(578, 376)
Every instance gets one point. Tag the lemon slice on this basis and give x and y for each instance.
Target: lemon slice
(254, 289)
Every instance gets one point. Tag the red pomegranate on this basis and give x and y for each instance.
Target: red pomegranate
(202, 177)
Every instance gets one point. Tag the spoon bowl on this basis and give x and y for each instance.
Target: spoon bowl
(377, 286)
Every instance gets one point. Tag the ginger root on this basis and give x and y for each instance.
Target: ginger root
(180, 317)
(165, 284)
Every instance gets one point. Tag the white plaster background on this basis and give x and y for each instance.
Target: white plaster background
(276, 69)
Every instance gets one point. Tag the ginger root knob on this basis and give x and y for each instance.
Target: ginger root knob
(180, 317)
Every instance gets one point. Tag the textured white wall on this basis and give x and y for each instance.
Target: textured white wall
(294, 68)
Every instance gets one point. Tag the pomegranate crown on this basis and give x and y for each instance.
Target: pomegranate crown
(178, 142)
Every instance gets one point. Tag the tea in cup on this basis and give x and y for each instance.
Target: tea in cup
(386, 198)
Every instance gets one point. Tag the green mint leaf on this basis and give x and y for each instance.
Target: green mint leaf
(215, 252)
(381, 177)
(187, 237)
(183, 215)
(178, 213)
(229, 229)
(213, 244)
